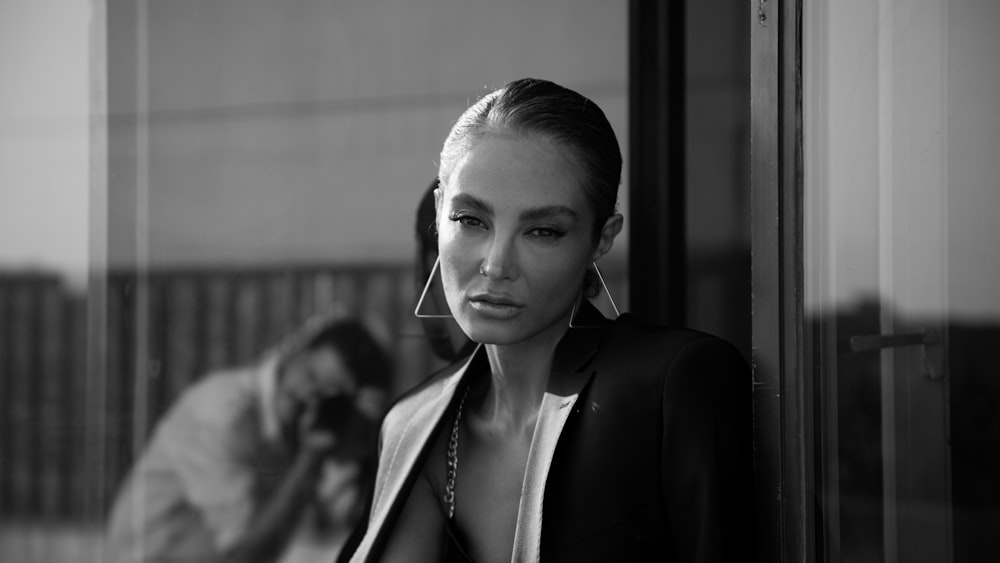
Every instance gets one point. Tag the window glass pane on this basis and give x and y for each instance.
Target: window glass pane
(902, 153)
(716, 169)
(183, 184)
(45, 228)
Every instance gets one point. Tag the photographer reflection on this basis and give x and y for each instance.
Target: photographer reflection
(260, 463)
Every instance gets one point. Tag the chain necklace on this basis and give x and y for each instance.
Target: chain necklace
(452, 460)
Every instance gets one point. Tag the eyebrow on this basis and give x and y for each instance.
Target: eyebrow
(533, 214)
(549, 211)
(473, 202)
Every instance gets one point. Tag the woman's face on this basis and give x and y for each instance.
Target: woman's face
(515, 239)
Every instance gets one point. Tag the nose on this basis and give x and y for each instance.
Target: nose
(500, 260)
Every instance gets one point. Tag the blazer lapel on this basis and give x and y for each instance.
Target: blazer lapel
(401, 453)
(552, 417)
(569, 377)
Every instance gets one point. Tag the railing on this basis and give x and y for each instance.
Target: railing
(41, 374)
(55, 417)
(195, 321)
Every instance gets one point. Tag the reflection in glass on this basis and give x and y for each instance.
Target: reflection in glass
(901, 160)
(184, 183)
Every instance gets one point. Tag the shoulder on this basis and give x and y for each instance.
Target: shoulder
(219, 390)
(674, 355)
(217, 402)
(628, 335)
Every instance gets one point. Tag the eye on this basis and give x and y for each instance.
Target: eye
(546, 233)
(468, 220)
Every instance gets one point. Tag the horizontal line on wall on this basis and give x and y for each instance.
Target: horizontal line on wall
(295, 108)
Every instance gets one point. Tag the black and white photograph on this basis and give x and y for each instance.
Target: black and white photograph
(518, 281)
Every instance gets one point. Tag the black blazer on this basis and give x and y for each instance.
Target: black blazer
(642, 450)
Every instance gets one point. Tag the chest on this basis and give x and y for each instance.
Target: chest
(488, 481)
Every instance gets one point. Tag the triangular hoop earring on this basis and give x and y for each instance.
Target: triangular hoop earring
(423, 296)
(604, 288)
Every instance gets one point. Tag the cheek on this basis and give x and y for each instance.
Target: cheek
(292, 378)
(558, 276)
(286, 407)
(453, 277)
(458, 259)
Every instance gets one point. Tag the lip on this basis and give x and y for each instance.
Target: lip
(495, 306)
(495, 299)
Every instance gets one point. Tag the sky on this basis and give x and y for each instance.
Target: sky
(44, 149)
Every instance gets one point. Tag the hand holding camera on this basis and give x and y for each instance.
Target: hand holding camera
(340, 424)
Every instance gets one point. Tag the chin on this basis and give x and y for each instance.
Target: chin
(501, 333)
(484, 335)
(492, 332)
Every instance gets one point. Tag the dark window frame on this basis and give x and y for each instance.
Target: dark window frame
(783, 395)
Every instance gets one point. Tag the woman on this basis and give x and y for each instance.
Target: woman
(565, 436)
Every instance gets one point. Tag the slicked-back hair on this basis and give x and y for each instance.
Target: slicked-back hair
(541, 109)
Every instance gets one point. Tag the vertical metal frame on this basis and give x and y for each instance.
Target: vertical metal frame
(97, 297)
(783, 396)
(119, 178)
(657, 210)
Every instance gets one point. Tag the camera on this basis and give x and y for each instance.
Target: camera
(356, 434)
(334, 413)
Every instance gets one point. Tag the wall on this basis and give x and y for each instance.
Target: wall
(307, 131)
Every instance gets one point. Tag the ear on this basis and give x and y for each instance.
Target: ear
(438, 199)
(609, 231)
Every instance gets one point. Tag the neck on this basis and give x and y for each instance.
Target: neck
(519, 377)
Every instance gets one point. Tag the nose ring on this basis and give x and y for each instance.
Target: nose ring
(482, 270)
